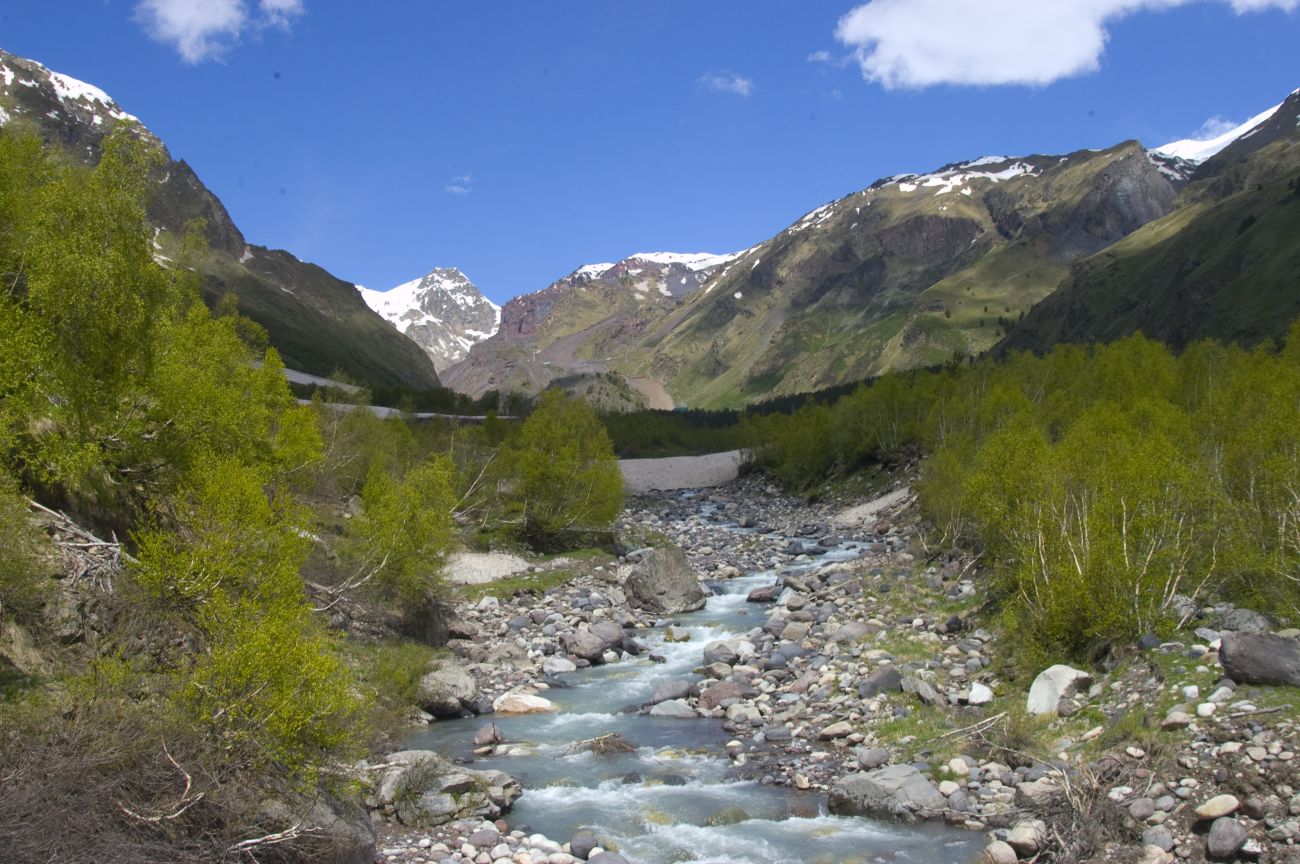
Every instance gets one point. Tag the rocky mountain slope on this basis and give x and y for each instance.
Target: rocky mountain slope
(584, 325)
(907, 272)
(1189, 239)
(443, 312)
(1222, 264)
(317, 322)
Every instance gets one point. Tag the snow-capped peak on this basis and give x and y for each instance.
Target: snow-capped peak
(443, 312)
(690, 260)
(70, 91)
(1192, 150)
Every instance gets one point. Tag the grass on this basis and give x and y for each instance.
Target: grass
(504, 589)
(916, 732)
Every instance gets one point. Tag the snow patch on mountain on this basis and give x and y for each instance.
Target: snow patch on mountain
(443, 312)
(960, 175)
(1195, 151)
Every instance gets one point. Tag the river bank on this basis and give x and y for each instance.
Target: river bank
(860, 653)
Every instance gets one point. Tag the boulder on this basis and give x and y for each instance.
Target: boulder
(447, 690)
(663, 582)
(1259, 658)
(674, 708)
(1226, 837)
(583, 645)
(886, 679)
(582, 843)
(522, 703)
(714, 695)
(1051, 685)
(609, 633)
(998, 852)
(1245, 621)
(420, 788)
(720, 652)
(854, 631)
(895, 791)
(670, 689)
(557, 666)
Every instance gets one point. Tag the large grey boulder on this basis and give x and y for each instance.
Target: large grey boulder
(1051, 685)
(447, 690)
(895, 791)
(1245, 621)
(420, 788)
(1260, 658)
(583, 645)
(609, 633)
(663, 582)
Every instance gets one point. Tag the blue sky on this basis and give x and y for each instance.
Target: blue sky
(520, 140)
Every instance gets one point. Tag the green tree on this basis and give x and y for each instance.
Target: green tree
(567, 479)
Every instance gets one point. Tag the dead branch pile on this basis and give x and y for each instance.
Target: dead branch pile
(601, 745)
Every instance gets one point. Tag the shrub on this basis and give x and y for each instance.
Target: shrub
(24, 584)
(568, 481)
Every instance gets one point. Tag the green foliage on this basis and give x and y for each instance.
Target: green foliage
(397, 546)
(568, 481)
(23, 582)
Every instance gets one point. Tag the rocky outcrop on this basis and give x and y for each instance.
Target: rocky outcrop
(895, 791)
(420, 788)
(1259, 658)
(662, 581)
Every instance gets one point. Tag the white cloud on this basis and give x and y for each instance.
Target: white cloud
(205, 29)
(462, 185)
(819, 57)
(728, 82)
(919, 43)
(1213, 128)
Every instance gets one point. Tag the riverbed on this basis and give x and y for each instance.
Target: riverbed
(678, 796)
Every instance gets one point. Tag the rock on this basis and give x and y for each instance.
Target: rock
(557, 666)
(980, 694)
(607, 858)
(609, 633)
(1037, 794)
(487, 734)
(713, 696)
(1245, 621)
(582, 843)
(998, 852)
(447, 691)
(885, 679)
(762, 595)
(1159, 836)
(584, 645)
(1142, 809)
(1028, 837)
(923, 690)
(422, 789)
(720, 652)
(1257, 658)
(1176, 719)
(1051, 685)
(670, 689)
(522, 703)
(897, 791)
(1218, 806)
(484, 838)
(842, 729)
(675, 708)
(663, 582)
(1226, 837)
(872, 757)
(854, 631)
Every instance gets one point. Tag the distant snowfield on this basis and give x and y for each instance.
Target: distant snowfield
(1198, 151)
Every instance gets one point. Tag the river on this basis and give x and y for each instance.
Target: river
(678, 797)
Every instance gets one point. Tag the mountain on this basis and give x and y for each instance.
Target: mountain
(577, 330)
(1224, 263)
(907, 272)
(443, 312)
(318, 322)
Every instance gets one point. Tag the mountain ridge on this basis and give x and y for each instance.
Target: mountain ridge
(316, 321)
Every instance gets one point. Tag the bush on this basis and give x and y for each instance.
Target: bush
(24, 584)
(568, 481)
